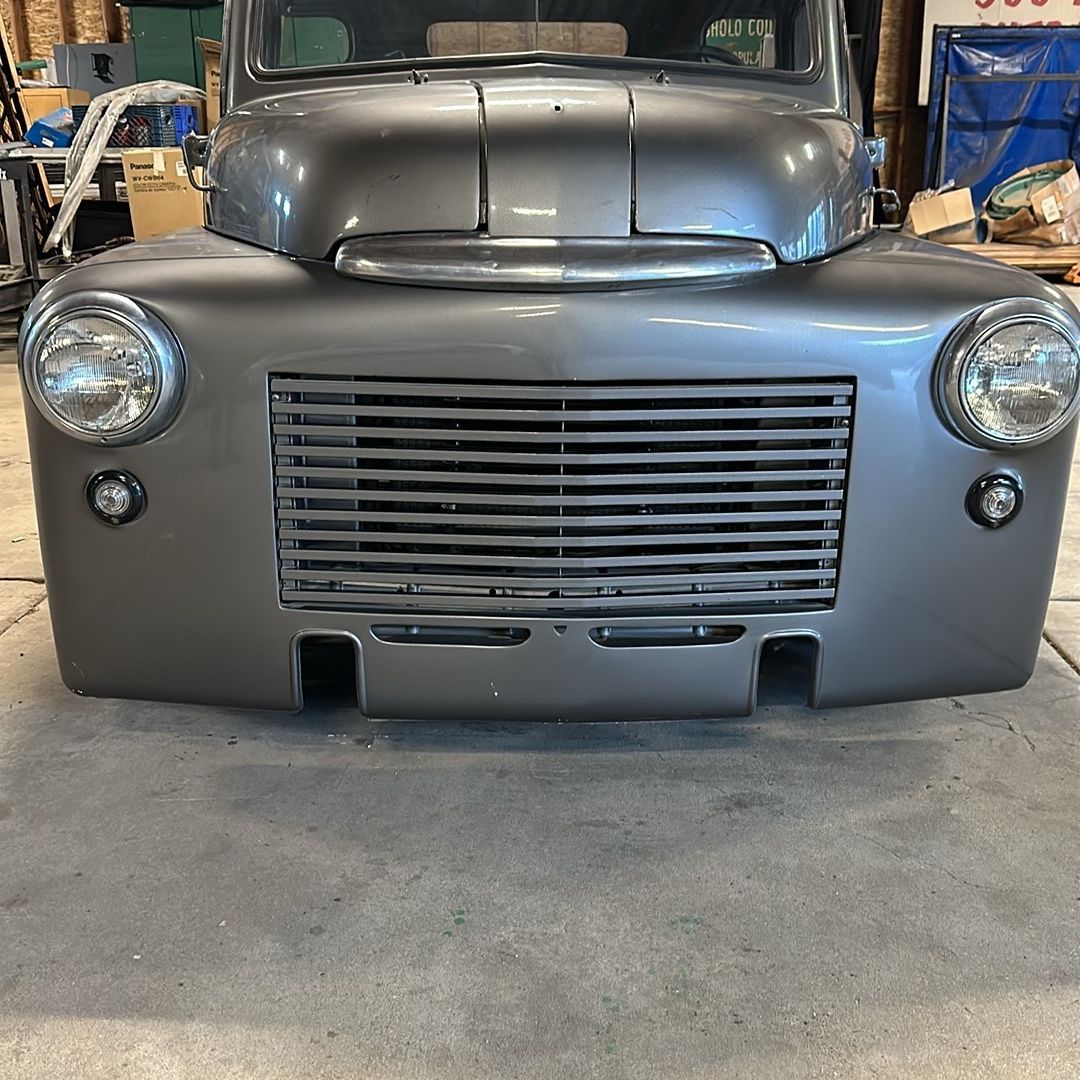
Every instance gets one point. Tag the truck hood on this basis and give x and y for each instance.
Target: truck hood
(538, 157)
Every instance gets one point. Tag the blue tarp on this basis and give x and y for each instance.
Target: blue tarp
(1014, 101)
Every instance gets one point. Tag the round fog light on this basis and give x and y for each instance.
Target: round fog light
(115, 497)
(112, 498)
(994, 501)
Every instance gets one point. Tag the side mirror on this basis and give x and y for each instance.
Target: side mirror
(196, 149)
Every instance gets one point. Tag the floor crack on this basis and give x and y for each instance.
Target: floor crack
(1002, 725)
(928, 865)
(5, 627)
(1062, 653)
(1023, 734)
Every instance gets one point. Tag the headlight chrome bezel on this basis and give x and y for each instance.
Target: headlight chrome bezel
(163, 347)
(961, 349)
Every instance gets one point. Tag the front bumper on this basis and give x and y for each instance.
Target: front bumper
(183, 605)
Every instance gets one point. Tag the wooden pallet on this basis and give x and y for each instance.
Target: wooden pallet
(1052, 261)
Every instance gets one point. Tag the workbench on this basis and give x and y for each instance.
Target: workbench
(16, 161)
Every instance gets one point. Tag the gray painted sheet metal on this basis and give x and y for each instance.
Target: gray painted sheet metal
(927, 603)
(747, 165)
(558, 158)
(300, 172)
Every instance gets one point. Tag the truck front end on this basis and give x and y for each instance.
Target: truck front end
(552, 386)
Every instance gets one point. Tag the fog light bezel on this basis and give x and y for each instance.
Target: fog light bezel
(962, 346)
(975, 494)
(166, 354)
(134, 486)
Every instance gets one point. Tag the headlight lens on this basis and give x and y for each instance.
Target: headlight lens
(1021, 381)
(102, 369)
(97, 374)
(1012, 375)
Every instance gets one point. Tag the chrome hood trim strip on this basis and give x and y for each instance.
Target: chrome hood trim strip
(478, 261)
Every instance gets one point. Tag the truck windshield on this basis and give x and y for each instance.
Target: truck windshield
(746, 34)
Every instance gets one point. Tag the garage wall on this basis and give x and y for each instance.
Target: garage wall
(898, 115)
(34, 26)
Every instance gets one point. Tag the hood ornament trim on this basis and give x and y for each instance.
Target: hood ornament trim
(588, 264)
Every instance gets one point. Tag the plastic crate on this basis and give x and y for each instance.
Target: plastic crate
(147, 125)
(168, 123)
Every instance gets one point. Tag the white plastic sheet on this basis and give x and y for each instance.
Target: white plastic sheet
(91, 140)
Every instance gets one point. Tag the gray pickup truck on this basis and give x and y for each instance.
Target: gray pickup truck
(544, 356)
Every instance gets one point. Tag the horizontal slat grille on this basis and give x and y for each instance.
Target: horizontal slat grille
(559, 498)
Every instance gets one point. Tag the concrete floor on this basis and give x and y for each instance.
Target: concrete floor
(193, 893)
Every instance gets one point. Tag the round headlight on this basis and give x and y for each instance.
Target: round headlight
(101, 368)
(1012, 374)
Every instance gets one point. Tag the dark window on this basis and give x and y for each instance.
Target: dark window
(740, 34)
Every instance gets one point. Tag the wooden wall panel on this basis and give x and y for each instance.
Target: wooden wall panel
(895, 29)
(15, 30)
(32, 27)
(87, 19)
(43, 28)
(898, 115)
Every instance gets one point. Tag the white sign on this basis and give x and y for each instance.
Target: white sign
(989, 13)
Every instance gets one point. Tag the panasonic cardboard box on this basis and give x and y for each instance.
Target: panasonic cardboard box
(160, 197)
(211, 53)
(95, 68)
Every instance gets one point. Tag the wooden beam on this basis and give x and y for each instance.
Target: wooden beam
(1039, 260)
(20, 34)
(111, 21)
(13, 125)
(65, 22)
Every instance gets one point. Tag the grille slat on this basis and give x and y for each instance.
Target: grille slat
(447, 477)
(564, 437)
(523, 394)
(535, 521)
(437, 561)
(568, 460)
(578, 416)
(740, 540)
(460, 499)
(366, 599)
(641, 582)
(585, 497)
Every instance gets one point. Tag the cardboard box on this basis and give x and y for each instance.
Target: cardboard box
(1050, 205)
(1052, 213)
(39, 101)
(1058, 200)
(160, 195)
(95, 68)
(944, 213)
(1064, 232)
(211, 51)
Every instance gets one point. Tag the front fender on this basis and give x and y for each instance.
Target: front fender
(184, 605)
